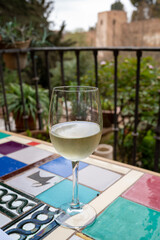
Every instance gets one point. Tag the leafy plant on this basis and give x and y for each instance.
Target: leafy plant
(15, 104)
(41, 134)
(148, 104)
(106, 104)
(12, 32)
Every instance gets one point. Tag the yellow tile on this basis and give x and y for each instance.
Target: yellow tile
(106, 165)
(83, 236)
(60, 233)
(115, 190)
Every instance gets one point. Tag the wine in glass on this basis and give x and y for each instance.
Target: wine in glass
(75, 126)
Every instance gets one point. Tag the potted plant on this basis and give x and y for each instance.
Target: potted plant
(15, 35)
(107, 112)
(15, 105)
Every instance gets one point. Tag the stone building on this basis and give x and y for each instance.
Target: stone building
(109, 28)
(112, 29)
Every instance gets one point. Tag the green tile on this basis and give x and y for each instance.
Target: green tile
(3, 135)
(125, 220)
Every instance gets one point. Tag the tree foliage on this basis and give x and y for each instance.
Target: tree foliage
(146, 9)
(35, 11)
(117, 6)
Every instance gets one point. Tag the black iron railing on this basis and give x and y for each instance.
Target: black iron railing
(77, 51)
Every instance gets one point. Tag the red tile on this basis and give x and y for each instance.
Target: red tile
(145, 191)
(33, 143)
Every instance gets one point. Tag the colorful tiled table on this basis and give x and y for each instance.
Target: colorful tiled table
(35, 181)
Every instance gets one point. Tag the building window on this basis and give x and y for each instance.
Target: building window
(101, 22)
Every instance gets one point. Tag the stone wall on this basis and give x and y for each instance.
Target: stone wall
(113, 30)
(142, 33)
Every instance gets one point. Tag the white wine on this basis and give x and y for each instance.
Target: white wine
(75, 140)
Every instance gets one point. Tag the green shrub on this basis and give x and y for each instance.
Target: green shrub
(148, 105)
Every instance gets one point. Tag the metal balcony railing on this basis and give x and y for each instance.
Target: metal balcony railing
(77, 50)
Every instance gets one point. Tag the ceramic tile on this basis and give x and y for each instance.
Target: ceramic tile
(30, 155)
(84, 237)
(34, 181)
(79, 236)
(4, 140)
(11, 147)
(107, 165)
(4, 236)
(97, 178)
(47, 147)
(145, 191)
(4, 220)
(110, 194)
(19, 139)
(62, 193)
(8, 165)
(76, 238)
(61, 166)
(13, 203)
(33, 225)
(60, 233)
(33, 143)
(3, 135)
(125, 220)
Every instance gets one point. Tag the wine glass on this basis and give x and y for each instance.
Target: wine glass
(75, 126)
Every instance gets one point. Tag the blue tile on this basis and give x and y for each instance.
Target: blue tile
(62, 193)
(4, 135)
(8, 165)
(61, 166)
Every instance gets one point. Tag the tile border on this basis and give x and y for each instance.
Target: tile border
(114, 191)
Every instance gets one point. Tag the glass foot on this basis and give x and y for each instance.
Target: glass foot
(76, 217)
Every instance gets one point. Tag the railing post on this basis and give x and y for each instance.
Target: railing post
(36, 79)
(47, 73)
(77, 62)
(115, 104)
(6, 113)
(62, 67)
(25, 116)
(157, 137)
(95, 53)
(135, 133)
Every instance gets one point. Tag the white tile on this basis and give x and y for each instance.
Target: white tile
(4, 140)
(34, 181)
(60, 233)
(30, 155)
(4, 220)
(19, 139)
(97, 178)
(46, 147)
(107, 165)
(76, 238)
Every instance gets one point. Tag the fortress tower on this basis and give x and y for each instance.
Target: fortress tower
(109, 28)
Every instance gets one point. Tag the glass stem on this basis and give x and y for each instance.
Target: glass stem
(75, 196)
